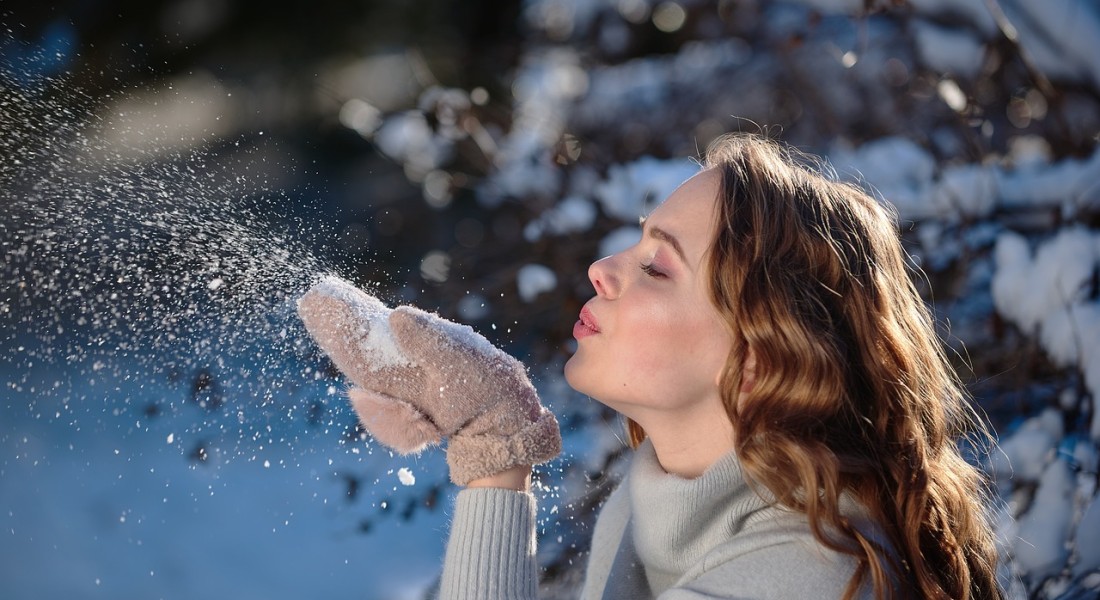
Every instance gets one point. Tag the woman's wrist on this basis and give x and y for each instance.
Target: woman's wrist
(517, 478)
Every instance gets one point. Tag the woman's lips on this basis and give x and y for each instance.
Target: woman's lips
(586, 325)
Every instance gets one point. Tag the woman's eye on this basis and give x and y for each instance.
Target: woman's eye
(652, 272)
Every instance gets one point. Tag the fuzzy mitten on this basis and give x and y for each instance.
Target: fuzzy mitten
(420, 378)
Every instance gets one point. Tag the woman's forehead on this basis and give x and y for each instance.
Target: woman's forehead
(689, 213)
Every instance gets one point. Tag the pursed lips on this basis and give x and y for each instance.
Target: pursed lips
(586, 325)
(589, 320)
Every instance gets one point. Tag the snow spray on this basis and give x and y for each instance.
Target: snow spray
(136, 249)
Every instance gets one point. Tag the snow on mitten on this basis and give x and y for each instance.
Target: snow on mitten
(421, 378)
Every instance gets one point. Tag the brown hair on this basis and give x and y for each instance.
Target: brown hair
(853, 392)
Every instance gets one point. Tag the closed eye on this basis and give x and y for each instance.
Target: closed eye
(652, 272)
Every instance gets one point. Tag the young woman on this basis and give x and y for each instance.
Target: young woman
(793, 414)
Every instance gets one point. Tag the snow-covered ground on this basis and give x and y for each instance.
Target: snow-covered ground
(103, 498)
(118, 483)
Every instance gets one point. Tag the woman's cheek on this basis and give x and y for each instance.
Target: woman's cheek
(660, 337)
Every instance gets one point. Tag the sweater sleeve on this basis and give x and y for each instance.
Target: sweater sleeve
(491, 549)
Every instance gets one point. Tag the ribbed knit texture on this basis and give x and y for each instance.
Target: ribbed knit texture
(658, 536)
(709, 537)
(491, 550)
(677, 521)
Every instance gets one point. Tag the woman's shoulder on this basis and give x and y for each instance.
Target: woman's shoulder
(774, 558)
(775, 555)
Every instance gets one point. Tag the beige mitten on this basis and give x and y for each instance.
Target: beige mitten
(421, 378)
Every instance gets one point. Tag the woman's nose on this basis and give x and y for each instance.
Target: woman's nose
(602, 275)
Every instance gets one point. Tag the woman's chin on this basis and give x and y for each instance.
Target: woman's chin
(572, 376)
(579, 378)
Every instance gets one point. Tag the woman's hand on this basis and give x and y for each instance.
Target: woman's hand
(420, 378)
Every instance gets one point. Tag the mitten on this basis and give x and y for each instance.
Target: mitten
(419, 378)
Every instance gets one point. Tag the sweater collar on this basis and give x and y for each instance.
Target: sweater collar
(676, 521)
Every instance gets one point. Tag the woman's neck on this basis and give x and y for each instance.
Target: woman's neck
(688, 447)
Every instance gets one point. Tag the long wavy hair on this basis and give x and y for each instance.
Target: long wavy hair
(853, 394)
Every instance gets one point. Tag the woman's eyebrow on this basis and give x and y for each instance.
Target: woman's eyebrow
(664, 236)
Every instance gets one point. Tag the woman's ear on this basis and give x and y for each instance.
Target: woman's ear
(748, 371)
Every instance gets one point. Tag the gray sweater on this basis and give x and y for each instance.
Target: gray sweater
(658, 536)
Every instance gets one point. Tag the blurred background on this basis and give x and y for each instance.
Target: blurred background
(174, 174)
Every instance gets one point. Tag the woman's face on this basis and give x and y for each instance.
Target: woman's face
(651, 342)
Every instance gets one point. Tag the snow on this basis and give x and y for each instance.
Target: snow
(102, 500)
(1060, 37)
(974, 12)
(381, 347)
(1026, 290)
(1068, 182)
(524, 164)
(533, 280)
(897, 168)
(574, 214)
(561, 18)
(952, 51)
(1048, 295)
(1088, 542)
(619, 240)
(1086, 456)
(634, 189)
(377, 342)
(410, 139)
(1025, 455)
(643, 85)
(906, 175)
(1071, 335)
(466, 336)
(969, 191)
(525, 167)
(1041, 549)
(991, 197)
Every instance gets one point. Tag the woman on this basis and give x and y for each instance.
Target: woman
(793, 414)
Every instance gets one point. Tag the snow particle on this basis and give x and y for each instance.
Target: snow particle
(405, 476)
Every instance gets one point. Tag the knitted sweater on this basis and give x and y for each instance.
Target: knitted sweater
(657, 536)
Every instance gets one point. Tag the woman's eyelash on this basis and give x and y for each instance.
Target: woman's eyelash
(652, 272)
